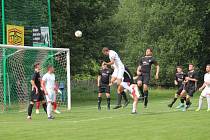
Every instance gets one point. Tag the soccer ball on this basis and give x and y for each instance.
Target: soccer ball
(78, 33)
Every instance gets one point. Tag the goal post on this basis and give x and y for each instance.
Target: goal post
(17, 69)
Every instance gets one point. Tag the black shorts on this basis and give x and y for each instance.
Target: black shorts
(190, 90)
(180, 88)
(145, 78)
(37, 97)
(104, 89)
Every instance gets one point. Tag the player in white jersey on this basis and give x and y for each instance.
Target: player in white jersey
(49, 87)
(205, 90)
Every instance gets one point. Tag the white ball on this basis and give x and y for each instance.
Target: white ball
(78, 33)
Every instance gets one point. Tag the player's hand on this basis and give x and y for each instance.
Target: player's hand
(156, 76)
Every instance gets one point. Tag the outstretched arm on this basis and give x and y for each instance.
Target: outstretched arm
(157, 71)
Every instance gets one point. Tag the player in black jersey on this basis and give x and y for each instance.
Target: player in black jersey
(128, 79)
(179, 82)
(190, 87)
(144, 71)
(103, 85)
(36, 94)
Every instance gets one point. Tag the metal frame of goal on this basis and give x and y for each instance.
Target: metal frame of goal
(18, 60)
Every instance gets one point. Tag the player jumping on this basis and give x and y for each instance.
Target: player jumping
(144, 70)
(103, 85)
(206, 90)
(179, 82)
(36, 94)
(49, 87)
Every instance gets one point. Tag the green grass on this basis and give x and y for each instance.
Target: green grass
(84, 122)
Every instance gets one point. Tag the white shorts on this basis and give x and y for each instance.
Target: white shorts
(135, 91)
(51, 97)
(118, 72)
(205, 92)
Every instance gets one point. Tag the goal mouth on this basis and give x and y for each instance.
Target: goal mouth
(18, 67)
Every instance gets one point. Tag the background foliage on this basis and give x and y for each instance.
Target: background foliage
(177, 30)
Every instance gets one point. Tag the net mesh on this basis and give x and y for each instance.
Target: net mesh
(20, 64)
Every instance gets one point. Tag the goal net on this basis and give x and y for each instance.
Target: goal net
(17, 69)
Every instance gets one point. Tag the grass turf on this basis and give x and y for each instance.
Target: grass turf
(84, 122)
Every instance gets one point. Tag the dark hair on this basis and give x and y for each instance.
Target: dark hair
(36, 65)
(150, 49)
(179, 67)
(49, 66)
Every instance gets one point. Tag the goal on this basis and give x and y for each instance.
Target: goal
(16, 70)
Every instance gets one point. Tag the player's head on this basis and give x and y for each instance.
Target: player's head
(191, 67)
(208, 68)
(37, 67)
(105, 51)
(50, 69)
(179, 69)
(149, 52)
(104, 66)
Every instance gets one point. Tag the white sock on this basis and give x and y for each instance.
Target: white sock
(49, 109)
(200, 103)
(208, 101)
(134, 107)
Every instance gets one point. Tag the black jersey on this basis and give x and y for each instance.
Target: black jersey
(127, 77)
(36, 78)
(105, 76)
(194, 75)
(180, 77)
(146, 63)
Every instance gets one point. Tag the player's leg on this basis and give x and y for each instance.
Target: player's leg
(146, 94)
(30, 108)
(120, 91)
(135, 95)
(188, 97)
(208, 101)
(176, 96)
(140, 86)
(50, 98)
(99, 100)
(200, 102)
(37, 107)
(55, 106)
(125, 85)
(42, 100)
(182, 99)
(108, 98)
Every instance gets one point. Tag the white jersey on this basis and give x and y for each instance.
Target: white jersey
(49, 79)
(207, 79)
(117, 62)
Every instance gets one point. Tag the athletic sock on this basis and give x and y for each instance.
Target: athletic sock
(124, 96)
(108, 101)
(182, 100)
(134, 107)
(99, 101)
(45, 107)
(173, 101)
(54, 106)
(119, 99)
(208, 101)
(145, 98)
(200, 103)
(49, 109)
(30, 107)
(37, 105)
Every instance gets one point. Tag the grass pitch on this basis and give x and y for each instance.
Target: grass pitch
(84, 122)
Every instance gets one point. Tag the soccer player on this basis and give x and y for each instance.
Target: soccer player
(49, 87)
(36, 94)
(179, 82)
(103, 85)
(190, 88)
(144, 70)
(127, 81)
(54, 108)
(205, 90)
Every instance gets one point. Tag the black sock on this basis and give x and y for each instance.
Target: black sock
(108, 101)
(141, 91)
(99, 101)
(182, 100)
(119, 99)
(145, 98)
(188, 102)
(174, 101)
(124, 96)
(45, 107)
(30, 107)
(185, 98)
